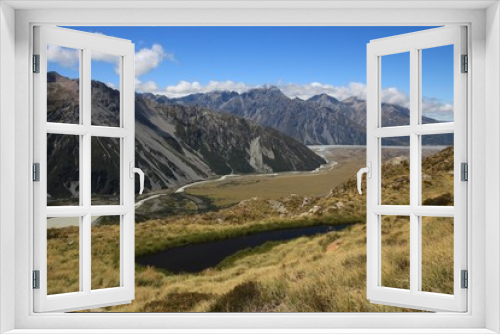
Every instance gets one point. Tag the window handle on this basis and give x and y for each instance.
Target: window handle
(141, 175)
(368, 171)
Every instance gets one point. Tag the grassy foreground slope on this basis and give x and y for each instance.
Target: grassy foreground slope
(325, 273)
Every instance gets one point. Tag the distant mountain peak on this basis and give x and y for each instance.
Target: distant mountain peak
(323, 97)
(53, 76)
(266, 92)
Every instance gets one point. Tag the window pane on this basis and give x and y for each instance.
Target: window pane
(63, 84)
(105, 171)
(395, 171)
(105, 241)
(105, 89)
(437, 254)
(63, 255)
(395, 252)
(437, 84)
(437, 170)
(63, 170)
(395, 81)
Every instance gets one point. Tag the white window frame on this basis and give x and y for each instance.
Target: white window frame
(85, 43)
(413, 44)
(482, 99)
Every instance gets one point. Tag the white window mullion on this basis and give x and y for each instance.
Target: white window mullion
(373, 120)
(86, 273)
(68, 129)
(392, 131)
(415, 263)
(110, 132)
(127, 227)
(419, 210)
(77, 129)
(122, 179)
(81, 173)
(420, 129)
(433, 129)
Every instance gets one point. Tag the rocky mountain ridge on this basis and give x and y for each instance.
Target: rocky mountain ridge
(175, 144)
(319, 120)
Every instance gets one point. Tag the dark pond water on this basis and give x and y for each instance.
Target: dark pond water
(197, 257)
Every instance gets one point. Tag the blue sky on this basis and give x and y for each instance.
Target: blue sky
(302, 61)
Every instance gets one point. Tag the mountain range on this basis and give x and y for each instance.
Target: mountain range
(192, 138)
(175, 144)
(319, 120)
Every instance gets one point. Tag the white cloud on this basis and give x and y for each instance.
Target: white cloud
(395, 96)
(65, 57)
(145, 87)
(149, 59)
(434, 108)
(146, 59)
(302, 91)
(184, 88)
(305, 91)
(430, 107)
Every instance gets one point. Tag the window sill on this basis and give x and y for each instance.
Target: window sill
(252, 331)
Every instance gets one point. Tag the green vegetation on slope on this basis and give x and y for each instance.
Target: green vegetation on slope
(324, 273)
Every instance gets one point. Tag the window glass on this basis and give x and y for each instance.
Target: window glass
(395, 171)
(395, 81)
(63, 255)
(63, 84)
(105, 241)
(63, 170)
(437, 85)
(437, 254)
(105, 89)
(105, 171)
(395, 253)
(438, 170)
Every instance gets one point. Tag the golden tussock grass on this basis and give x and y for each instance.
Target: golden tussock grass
(323, 273)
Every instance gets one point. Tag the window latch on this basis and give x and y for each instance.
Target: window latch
(368, 171)
(139, 171)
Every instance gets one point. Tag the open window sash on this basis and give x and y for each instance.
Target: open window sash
(414, 297)
(83, 44)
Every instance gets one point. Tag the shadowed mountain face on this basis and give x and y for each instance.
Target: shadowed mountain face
(175, 144)
(320, 120)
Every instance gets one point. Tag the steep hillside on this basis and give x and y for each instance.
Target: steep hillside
(304, 121)
(175, 145)
(323, 273)
(228, 144)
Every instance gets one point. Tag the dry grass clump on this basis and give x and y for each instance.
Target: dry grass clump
(395, 255)
(63, 249)
(437, 254)
(63, 258)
